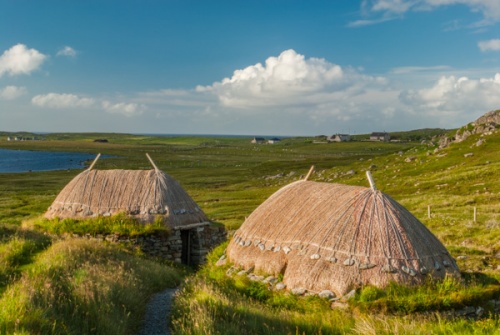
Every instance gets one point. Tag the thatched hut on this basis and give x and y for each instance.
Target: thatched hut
(323, 236)
(146, 195)
(142, 194)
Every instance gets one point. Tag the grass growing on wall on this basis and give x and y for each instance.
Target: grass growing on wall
(120, 224)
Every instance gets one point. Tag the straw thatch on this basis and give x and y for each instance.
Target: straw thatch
(142, 194)
(323, 236)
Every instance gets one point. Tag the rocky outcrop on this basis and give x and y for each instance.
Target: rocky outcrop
(485, 125)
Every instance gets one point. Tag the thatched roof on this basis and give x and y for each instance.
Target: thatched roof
(142, 194)
(324, 236)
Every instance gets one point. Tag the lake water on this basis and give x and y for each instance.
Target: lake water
(12, 161)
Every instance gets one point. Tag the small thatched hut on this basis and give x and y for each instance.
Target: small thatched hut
(142, 194)
(324, 236)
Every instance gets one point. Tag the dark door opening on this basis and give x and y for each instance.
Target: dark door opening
(186, 247)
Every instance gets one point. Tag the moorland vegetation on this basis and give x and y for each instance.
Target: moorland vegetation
(50, 284)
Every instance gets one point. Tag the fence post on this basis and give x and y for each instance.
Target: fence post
(475, 213)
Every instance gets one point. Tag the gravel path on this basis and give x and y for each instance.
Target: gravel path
(157, 312)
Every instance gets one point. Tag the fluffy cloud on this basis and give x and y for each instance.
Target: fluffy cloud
(127, 109)
(297, 91)
(491, 45)
(20, 60)
(56, 100)
(12, 92)
(289, 80)
(67, 51)
(455, 96)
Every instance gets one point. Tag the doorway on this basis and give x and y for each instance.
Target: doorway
(186, 247)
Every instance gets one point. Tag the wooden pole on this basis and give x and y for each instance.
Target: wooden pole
(151, 161)
(93, 163)
(429, 211)
(371, 181)
(311, 170)
(475, 213)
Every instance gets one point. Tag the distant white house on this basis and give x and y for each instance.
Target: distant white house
(258, 140)
(339, 138)
(273, 140)
(20, 138)
(377, 136)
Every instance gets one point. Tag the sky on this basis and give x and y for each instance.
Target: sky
(252, 67)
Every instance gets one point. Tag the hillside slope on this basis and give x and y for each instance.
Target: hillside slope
(451, 181)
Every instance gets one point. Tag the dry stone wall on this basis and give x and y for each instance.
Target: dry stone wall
(169, 247)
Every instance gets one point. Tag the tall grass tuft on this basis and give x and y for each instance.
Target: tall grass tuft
(17, 248)
(83, 287)
(450, 293)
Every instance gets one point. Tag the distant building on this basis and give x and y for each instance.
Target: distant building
(384, 137)
(339, 138)
(258, 140)
(273, 140)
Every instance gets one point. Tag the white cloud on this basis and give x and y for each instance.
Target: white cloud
(394, 6)
(362, 23)
(127, 109)
(288, 79)
(291, 91)
(12, 92)
(20, 60)
(413, 69)
(61, 101)
(490, 45)
(67, 51)
(455, 96)
(56, 100)
(391, 9)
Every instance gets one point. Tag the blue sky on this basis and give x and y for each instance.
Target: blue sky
(277, 67)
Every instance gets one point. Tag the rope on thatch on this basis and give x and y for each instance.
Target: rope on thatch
(143, 194)
(95, 161)
(336, 237)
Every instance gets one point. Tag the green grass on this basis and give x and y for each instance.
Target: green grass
(82, 287)
(229, 178)
(117, 224)
(451, 293)
(212, 302)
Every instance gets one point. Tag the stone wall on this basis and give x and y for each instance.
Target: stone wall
(169, 246)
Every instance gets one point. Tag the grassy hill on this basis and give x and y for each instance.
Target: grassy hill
(450, 181)
(229, 178)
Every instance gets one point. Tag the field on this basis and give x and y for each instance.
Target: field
(229, 178)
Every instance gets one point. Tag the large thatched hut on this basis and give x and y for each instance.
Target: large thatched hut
(146, 195)
(323, 236)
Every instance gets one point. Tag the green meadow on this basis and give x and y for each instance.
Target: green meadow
(69, 286)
